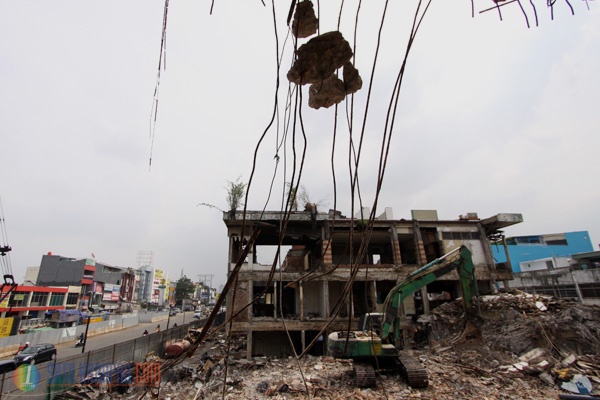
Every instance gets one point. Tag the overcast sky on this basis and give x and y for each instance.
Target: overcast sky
(493, 117)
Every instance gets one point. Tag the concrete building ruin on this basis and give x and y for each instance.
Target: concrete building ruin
(319, 251)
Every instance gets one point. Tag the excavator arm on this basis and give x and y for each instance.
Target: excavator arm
(459, 259)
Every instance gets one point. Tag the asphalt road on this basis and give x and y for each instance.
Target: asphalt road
(108, 339)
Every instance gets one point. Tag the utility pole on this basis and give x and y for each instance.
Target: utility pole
(89, 317)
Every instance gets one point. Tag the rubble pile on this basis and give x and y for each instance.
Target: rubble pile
(534, 340)
(516, 323)
(522, 347)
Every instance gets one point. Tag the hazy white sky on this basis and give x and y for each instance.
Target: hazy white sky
(493, 117)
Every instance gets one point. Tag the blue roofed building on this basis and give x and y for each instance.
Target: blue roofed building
(560, 265)
(536, 252)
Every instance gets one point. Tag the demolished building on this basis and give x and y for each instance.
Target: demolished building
(293, 299)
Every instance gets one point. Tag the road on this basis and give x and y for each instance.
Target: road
(28, 381)
(110, 338)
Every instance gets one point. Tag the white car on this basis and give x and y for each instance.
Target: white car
(198, 314)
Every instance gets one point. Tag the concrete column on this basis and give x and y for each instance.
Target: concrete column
(489, 258)
(396, 246)
(326, 250)
(508, 261)
(250, 297)
(250, 256)
(373, 295)
(275, 299)
(325, 300)
(301, 293)
(419, 246)
(422, 260)
(29, 297)
(577, 289)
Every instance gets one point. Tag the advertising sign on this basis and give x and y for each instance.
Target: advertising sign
(5, 326)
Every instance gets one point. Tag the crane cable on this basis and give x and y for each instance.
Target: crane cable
(4, 247)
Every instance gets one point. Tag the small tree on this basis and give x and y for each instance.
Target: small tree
(184, 287)
(298, 196)
(235, 193)
(292, 193)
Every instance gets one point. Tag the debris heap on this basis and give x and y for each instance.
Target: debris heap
(528, 347)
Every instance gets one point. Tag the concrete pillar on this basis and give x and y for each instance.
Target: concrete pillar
(508, 261)
(422, 260)
(301, 292)
(577, 288)
(373, 295)
(249, 310)
(275, 299)
(326, 251)
(489, 258)
(396, 246)
(325, 300)
(250, 256)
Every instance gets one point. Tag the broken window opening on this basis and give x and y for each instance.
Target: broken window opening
(286, 301)
(265, 305)
(335, 292)
(364, 297)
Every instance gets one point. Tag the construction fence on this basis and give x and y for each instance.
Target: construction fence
(47, 380)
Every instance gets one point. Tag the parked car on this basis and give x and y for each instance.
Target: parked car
(35, 354)
(7, 366)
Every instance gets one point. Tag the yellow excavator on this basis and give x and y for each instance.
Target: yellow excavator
(376, 348)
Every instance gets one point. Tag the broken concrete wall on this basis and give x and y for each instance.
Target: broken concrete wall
(242, 298)
(543, 278)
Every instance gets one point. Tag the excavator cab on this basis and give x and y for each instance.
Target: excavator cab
(371, 322)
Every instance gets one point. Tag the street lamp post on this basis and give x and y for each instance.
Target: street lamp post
(87, 325)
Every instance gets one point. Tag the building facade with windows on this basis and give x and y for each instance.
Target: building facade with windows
(535, 252)
(101, 285)
(34, 301)
(559, 264)
(325, 270)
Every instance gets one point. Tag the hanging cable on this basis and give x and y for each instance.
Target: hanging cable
(8, 284)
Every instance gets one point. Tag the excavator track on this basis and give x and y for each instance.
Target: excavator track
(364, 375)
(413, 371)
